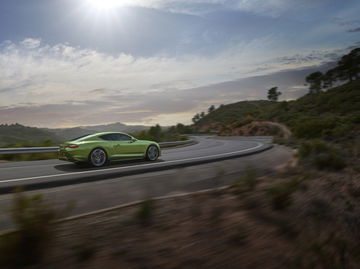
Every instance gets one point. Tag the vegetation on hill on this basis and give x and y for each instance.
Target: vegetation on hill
(331, 114)
(13, 135)
(334, 114)
(69, 133)
(325, 124)
(347, 69)
(161, 134)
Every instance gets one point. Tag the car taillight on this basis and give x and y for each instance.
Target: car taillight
(73, 146)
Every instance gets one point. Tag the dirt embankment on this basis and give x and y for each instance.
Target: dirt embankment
(293, 220)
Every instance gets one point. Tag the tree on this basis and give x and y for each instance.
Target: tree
(329, 78)
(202, 114)
(196, 118)
(315, 80)
(349, 66)
(347, 69)
(155, 132)
(273, 94)
(211, 109)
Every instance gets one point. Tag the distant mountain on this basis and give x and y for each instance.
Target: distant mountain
(116, 127)
(69, 133)
(12, 134)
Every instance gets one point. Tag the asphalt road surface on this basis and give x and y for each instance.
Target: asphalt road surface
(55, 173)
(183, 169)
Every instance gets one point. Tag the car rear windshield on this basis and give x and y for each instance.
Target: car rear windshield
(77, 138)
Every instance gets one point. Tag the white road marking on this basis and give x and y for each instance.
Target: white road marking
(137, 166)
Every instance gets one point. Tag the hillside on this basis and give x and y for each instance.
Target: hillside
(69, 133)
(116, 127)
(332, 114)
(27, 136)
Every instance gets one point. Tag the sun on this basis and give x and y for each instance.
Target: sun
(107, 4)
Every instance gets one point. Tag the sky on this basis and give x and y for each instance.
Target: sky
(67, 63)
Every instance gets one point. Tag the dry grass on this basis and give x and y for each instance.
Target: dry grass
(224, 228)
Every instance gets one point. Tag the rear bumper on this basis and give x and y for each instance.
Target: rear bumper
(70, 157)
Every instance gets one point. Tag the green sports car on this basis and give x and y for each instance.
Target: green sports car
(100, 148)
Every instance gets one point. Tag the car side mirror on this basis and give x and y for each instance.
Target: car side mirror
(133, 140)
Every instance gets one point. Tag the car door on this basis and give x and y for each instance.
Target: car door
(126, 146)
(111, 145)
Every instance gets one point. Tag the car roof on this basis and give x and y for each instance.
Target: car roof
(86, 137)
(104, 133)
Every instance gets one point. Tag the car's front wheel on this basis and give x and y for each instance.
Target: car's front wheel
(152, 153)
(97, 157)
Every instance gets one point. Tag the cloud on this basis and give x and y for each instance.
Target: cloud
(271, 8)
(31, 43)
(167, 107)
(63, 85)
(344, 22)
(354, 30)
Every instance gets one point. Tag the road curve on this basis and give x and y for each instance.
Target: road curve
(54, 173)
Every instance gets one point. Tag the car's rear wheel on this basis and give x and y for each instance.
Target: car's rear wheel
(98, 157)
(152, 153)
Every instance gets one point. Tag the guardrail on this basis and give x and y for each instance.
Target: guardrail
(55, 149)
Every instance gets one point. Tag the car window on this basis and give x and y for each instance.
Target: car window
(122, 137)
(116, 137)
(108, 137)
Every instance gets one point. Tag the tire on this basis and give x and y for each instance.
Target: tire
(152, 153)
(98, 157)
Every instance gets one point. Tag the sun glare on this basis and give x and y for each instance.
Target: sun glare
(107, 4)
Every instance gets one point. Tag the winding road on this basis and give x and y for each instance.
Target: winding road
(54, 173)
(178, 170)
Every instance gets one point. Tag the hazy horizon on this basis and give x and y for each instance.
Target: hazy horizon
(72, 63)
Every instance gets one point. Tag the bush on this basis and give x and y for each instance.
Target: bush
(247, 182)
(281, 194)
(34, 220)
(312, 127)
(161, 134)
(145, 212)
(329, 161)
(280, 197)
(321, 155)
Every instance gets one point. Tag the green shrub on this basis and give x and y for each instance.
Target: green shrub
(312, 127)
(161, 134)
(329, 161)
(34, 220)
(281, 194)
(321, 155)
(145, 212)
(280, 197)
(247, 181)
